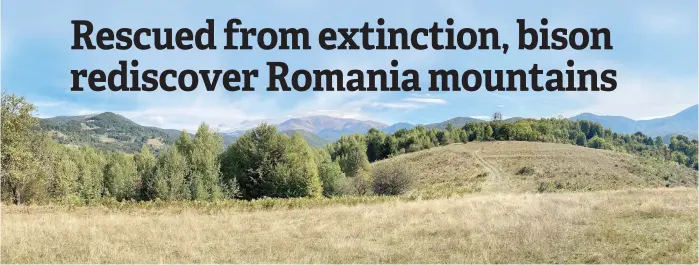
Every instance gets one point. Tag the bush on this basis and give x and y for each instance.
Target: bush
(391, 178)
(355, 186)
(526, 170)
(360, 184)
(598, 143)
(545, 187)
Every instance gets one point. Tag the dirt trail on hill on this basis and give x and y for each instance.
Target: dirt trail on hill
(497, 182)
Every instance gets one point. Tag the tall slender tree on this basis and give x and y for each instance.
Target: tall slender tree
(206, 147)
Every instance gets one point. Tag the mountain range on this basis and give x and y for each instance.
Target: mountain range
(111, 131)
(685, 122)
(329, 128)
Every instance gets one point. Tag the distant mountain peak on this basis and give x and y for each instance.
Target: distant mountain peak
(684, 122)
(692, 111)
(329, 127)
(457, 122)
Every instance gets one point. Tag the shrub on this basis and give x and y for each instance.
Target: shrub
(545, 187)
(598, 143)
(526, 170)
(391, 178)
(360, 184)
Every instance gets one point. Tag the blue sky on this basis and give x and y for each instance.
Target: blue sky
(655, 54)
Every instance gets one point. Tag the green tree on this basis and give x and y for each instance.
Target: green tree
(463, 136)
(297, 175)
(581, 140)
(184, 145)
(205, 164)
(145, 169)
(390, 146)
(170, 176)
(330, 173)
(375, 140)
(266, 163)
(444, 137)
(680, 158)
(19, 155)
(659, 142)
(62, 183)
(487, 132)
(120, 177)
(350, 153)
(90, 173)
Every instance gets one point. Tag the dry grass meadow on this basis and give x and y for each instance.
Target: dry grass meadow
(473, 203)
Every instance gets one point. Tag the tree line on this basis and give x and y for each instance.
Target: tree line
(264, 162)
(681, 149)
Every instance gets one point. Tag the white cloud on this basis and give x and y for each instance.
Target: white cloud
(409, 103)
(48, 103)
(427, 100)
(395, 105)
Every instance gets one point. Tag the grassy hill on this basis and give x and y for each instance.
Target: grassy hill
(516, 167)
(107, 131)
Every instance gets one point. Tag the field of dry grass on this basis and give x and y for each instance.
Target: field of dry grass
(640, 226)
(450, 170)
(570, 167)
(472, 203)
(495, 167)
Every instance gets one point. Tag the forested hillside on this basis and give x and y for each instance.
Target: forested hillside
(107, 131)
(115, 133)
(262, 162)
